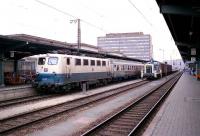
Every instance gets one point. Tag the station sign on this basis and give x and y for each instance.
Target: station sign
(193, 51)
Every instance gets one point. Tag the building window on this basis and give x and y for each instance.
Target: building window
(92, 63)
(85, 62)
(78, 62)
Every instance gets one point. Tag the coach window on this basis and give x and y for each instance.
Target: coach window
(103, 63)
(92, 63)
(98, 63)
(41, 61)
(85, 62)
(78, 62)
(53, 61)
(68, 61)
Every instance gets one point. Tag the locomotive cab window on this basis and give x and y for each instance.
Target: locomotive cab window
(68, 61)
(41, 61)
(92, 63)
(53, 61)
(78, 62)
(85, 62)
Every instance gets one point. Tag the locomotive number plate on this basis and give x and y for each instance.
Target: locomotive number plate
(44, 79)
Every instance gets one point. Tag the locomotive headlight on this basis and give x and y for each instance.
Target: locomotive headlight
(54, 73)
(45, 69)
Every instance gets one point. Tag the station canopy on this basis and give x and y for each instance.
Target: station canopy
(21, 45)
(183, 20)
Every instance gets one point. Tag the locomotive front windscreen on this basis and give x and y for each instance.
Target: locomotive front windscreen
(148, 69)
(41, 61)
(53, 61)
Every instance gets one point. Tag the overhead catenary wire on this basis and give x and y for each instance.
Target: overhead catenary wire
(140, 12)
(68, 14)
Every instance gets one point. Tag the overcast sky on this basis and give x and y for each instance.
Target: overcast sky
(51, 19)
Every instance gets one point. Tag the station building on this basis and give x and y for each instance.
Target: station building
(134, 45)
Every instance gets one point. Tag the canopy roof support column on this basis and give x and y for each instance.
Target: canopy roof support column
(1, 69)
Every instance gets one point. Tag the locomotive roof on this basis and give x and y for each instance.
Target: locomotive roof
(66, 55)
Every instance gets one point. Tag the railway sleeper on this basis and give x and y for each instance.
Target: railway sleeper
(123, 123)
(130, 113)
(120, 128)
(140, 109)
(128, 121)
(126, 117)
(114, 132)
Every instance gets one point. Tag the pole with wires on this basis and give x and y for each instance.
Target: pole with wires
(78, 21)
(79, 35)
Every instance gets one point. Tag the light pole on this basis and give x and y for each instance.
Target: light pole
(78, 32)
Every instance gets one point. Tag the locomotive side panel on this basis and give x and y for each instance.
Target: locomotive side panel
(87, 68)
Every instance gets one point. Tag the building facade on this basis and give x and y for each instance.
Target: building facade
(133, 45)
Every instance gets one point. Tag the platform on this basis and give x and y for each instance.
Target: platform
(179, 115)
(14, 87)
(14, 92)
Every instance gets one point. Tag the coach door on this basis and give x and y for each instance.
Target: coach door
(68, 67)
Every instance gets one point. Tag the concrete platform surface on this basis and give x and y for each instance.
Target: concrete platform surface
(14, 92)
(10, 88)
(180, 113)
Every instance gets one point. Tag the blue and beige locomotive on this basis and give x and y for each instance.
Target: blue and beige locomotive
(62, 72)
(155, 69)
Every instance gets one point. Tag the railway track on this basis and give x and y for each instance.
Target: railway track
(9, 124)
(129, 120)
(26, 100)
